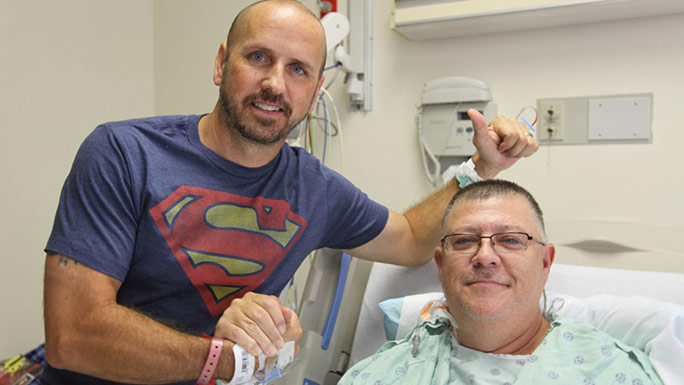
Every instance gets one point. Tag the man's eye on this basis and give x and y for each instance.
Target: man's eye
(299, 70)
(510, 240)
(258, 56)
(461, 242)
(464, 240)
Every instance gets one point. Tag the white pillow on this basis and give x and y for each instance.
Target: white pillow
(654, 326)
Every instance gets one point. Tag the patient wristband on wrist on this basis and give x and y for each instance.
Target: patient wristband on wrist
(211, 362)
(466, 174)
(271, 368)
(244, 366)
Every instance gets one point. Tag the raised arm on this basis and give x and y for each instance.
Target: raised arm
(88, 332)
(409, 239)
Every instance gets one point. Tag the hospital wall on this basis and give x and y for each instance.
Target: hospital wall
(67, 67)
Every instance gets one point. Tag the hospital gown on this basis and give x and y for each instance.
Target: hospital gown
(571, 353)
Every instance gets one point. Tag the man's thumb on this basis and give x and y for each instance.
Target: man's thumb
(479, 122)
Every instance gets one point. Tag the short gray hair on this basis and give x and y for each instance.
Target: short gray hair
(488, 189)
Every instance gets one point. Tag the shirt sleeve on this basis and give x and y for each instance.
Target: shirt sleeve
(95, 223)
(353, 218)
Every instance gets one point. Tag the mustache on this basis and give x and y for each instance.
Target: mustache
(483, 275)
(268, 97)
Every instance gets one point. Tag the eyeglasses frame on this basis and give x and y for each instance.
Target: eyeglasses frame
(529, 238)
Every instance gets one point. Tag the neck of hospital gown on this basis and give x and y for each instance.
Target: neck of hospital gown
(571, 353)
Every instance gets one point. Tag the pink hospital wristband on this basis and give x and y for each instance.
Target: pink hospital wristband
(212, 361)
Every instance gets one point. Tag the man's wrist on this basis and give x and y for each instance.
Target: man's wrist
(465, 174)
(240, 361)
(482, 169)
(210, 365)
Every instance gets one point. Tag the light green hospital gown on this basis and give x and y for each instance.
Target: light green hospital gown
(571, 353)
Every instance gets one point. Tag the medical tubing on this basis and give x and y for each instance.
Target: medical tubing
(536, 114)
(337, 301)
(335, 74)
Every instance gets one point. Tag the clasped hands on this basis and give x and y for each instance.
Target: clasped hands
(259, 323)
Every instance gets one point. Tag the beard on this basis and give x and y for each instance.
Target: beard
(263, 131)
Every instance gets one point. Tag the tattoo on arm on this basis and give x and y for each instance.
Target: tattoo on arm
(61, 260)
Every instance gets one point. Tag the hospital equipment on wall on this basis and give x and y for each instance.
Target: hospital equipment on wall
(356, 60)
(336, 27)
(445, 132)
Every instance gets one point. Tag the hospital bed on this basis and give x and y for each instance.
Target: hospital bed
(343, 322)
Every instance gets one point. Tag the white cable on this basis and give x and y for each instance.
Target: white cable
(426, 153)
(339, 127)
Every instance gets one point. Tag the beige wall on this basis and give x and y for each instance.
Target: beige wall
(70, 65)
(629, 193)
(65, 66)
(625, 193)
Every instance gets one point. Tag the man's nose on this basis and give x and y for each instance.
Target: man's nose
(274, 81)
(485, 255)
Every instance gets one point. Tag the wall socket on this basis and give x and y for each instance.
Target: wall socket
(551, 117)
(597, 119)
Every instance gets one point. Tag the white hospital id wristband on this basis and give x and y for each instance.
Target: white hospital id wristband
(244, 367)
(464, 173)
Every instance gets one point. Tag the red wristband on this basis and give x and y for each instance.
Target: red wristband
(212, 361)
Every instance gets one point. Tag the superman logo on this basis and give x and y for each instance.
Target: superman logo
(227, 244)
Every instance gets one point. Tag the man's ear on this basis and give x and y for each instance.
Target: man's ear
(549, 254)
(438, 257)
(547, 261)
(219, 63)
(439, 260)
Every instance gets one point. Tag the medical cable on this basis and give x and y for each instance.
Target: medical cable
(334, 77)
(556, 305)
(309, 135)
(325, 129)
(330, 123)
(339, 127)
(331, 67)
(426, 152)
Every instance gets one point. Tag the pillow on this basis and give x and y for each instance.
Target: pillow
(654, 326)
(401, 315)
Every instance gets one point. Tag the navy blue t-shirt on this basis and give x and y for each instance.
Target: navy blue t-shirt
(187, 231)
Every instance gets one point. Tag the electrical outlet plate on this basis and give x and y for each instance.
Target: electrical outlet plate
(597, 119)
(551, 118)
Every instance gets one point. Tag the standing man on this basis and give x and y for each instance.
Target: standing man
(168, 227)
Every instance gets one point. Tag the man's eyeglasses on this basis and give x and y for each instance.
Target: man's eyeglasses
(501, 242)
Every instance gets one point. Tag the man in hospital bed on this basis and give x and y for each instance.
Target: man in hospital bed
(493, 262)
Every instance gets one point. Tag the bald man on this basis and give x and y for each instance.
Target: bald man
(169, 228)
